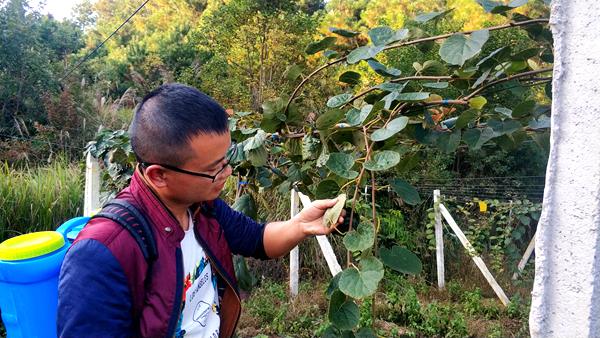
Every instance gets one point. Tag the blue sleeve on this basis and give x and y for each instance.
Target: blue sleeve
(243, 234)
(93, 294)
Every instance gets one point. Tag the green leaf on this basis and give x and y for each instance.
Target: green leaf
(363, 53)
(330, 54)
(332, 214)
(490, 57)
(400, 35)
(489, 5)
(360, 239)
(504, 127)
(476, 138)
(482, 78)
(390, 130)
(258, 157)
(341, 165)
(324, 156)
(381, 35)
(382, 160)
(383, 70)
(416, 96)
(315, 47)
(326, 189)
(496, 7)
(389, 99)
(245, 204)
(459, 48)
(448, 142)
(391, 87)
(343, 312)
(350, 77)
(404, 190)
(477, 102)
(329, 119)
(333, 285)
(504, 111)
(436, 85)
(343, 32)
(433, 67)
(523, 109)
(424, 17)
(292, 72)
(466, 117)
(338, 100)
(240, 154)
(401, 260)
(362, 283)
(365, 332)
(255, 141)
(263, 177)
(541, 122)
(356, 117)
(310, 147)
(272, 107)
(526, 54)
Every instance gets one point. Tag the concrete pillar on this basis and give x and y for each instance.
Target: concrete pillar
(566, 292)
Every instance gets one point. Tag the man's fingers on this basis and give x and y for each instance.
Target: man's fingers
(324, 204)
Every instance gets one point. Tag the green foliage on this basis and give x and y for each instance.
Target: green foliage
(363, 281)
(502, 231)
(350, 126)
(401, 260)
(113, 149)
(472, 301)
(458, 48)
(33, 49)
(39, 199)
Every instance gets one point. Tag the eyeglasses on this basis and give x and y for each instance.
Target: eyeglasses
(229, 156)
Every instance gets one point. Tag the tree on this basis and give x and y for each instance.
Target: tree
(245, 42)
(32, 48)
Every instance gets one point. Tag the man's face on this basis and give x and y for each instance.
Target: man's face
(208, 156)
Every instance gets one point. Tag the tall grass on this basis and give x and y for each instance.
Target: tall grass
(40, 198)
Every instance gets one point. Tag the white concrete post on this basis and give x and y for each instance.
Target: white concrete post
(91, 195)
(294, 254)
(439, 240)
(566, 291)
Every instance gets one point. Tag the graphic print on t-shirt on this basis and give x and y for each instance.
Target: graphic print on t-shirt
(200, 304)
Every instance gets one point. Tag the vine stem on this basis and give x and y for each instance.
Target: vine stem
(303, 82)
(408, 43)
(376, 228)
(402, 79)
(362, 171)
(505, 79)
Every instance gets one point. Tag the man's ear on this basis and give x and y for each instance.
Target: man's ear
(157, 175)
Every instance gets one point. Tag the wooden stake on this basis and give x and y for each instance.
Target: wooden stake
(525, 258)
(326, 248)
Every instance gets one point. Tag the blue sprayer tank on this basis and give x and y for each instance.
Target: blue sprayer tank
(29, 269)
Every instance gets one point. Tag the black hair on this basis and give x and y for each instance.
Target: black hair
(168, 118)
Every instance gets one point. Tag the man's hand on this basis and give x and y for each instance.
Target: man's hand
(310, 219)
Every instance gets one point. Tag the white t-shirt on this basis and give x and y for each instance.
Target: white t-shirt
(200, 310)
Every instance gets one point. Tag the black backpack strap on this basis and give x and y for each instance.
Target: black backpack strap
(129, 217)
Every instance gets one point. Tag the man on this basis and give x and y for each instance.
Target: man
(181, 139)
